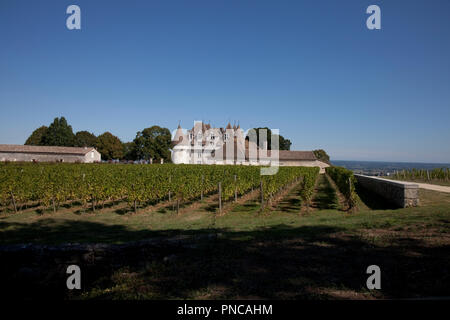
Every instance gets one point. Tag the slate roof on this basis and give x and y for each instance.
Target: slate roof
(17, 148)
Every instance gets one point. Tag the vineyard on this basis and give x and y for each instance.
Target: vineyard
(93, 185)
(437, 174)
(345, 181)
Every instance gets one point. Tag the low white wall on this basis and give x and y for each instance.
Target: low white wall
(400, 193)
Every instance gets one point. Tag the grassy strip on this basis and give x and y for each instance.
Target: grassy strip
(345, 182)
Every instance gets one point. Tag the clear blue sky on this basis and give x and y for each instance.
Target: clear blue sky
(309, 68)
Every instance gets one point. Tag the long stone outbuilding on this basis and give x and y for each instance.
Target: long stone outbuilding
(13, 153)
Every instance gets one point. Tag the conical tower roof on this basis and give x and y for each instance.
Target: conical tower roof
(179, 135)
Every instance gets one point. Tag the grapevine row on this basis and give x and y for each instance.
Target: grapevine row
(345, 181)
(440, 174)
(52, 184)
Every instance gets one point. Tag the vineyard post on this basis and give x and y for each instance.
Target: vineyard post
(235, 189)
(220, 197)
(170, 180)
(134, 202)
(178, 206)
(349, 192)
(53, 204)
(262, 194)
(428, 175)
(14, 202)
(201, 191)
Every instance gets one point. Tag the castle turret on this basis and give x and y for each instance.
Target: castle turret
(179, 137)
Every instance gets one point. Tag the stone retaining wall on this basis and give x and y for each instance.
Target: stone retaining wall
(399, 193)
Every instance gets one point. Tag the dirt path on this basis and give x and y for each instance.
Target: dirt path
(427, 186)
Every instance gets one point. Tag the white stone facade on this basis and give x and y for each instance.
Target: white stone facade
(205, 145)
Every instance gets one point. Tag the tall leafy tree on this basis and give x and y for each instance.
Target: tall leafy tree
(109, 146)
(153, 142)
(59, 133)
(36, 138)
(85, 139)
(129, 151)
(322, 155)
(284, 144)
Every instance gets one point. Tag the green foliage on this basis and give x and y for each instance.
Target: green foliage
(59, 133)
(153, 142)
(345, 181)
(284, 144)
(322, 155)
(129, 151)
(308, 183)
(36, 138)
(95, 183)
(85, 139)
(109, 146)
(440, 174)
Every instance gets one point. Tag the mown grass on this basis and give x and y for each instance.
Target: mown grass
(316, 254)
(111, 227)
(283, 252)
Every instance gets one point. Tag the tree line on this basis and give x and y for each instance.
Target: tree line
(150, 143)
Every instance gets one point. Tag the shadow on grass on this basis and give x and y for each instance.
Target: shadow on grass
(274, 262)
(291, 204)
(372, 200)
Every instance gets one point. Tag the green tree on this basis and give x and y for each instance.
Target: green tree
(59, 133)
(153, 142)
(36, 138)
(322, 155)
(109, 146)
(129, 151)
(85, 139)
(284, 144)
